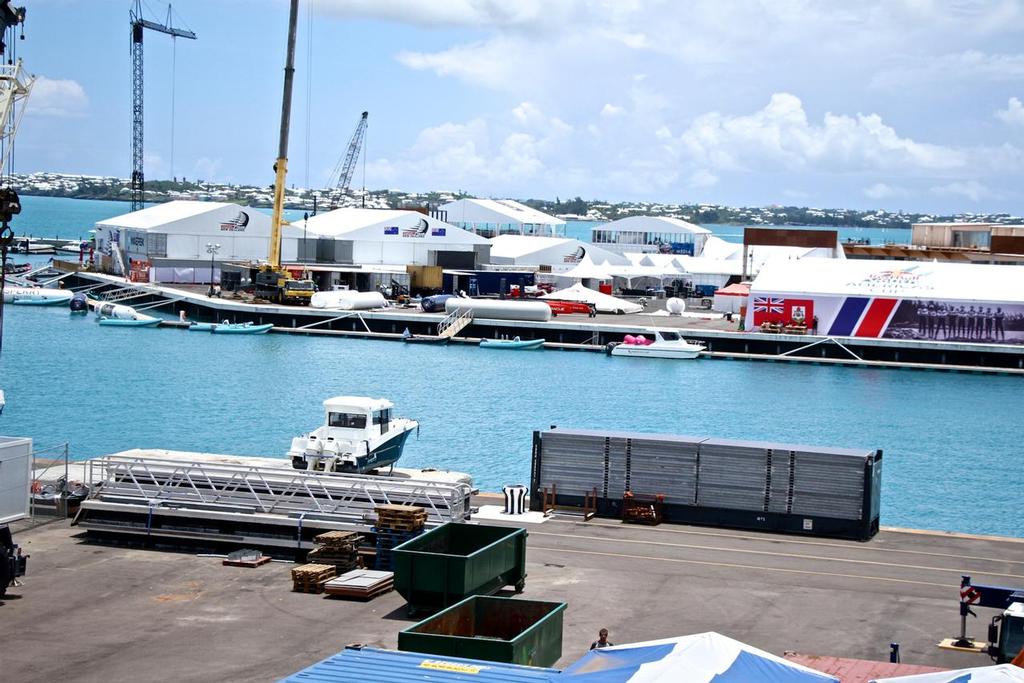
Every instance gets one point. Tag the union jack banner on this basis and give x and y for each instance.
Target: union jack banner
(769, 304)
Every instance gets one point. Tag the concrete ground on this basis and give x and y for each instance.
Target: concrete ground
(105, 613)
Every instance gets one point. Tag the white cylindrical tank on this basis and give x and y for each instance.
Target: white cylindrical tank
(348, 300)
(675, 306)
(117, 311)
(537, 311)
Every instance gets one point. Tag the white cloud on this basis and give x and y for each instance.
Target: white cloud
(1013, 114)
(971, 189)
(610, 109)
(967, 66)
(781, 134)
(58, 97)
(884, 191)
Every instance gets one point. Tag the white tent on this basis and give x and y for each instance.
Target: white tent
(652, 233)
(558, 252)
(388, 237)
(602, 302)
(700, 658)
(1003, 673)
(492, 217)
(587, 270)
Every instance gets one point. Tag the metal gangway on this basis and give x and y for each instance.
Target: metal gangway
(198, 494)
(454, 322)
(122, 294)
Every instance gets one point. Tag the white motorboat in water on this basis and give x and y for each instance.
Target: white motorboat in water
(36, 296)
(359, 434)
(662, 344)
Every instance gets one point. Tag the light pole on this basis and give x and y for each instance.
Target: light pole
(212, 250)
(305, 244)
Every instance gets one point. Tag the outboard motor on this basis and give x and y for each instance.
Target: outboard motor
(79, 304)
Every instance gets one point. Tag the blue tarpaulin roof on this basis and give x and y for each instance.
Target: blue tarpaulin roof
(372, 664)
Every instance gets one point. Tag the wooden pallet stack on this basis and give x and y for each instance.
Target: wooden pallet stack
(396, 524)
(360, 584)
(337, 548)
(310, 578)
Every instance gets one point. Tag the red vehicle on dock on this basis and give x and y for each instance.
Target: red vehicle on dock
(565, 307)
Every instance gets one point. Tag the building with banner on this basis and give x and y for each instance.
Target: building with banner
(892, 299)
(656, 234)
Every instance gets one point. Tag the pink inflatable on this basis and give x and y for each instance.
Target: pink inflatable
(629, 339)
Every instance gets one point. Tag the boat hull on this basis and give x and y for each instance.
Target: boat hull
(425, 340)
(384, 454)
(512, 345)
(636, 351)
(121, 322)
(242, 329)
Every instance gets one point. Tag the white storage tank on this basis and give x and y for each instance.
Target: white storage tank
(347, 300)
(498, 309)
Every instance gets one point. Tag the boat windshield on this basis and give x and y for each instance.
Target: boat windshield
(346, 420)
(670, 336)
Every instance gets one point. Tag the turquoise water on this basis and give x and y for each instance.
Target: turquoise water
(951, 441)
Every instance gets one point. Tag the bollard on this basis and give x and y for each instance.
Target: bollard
(894, 653)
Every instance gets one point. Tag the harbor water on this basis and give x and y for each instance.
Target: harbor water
(951, 441)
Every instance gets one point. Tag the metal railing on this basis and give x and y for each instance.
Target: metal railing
(269, 490)
(454, 322)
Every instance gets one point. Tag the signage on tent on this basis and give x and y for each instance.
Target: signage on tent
(576, 256)
(419, 230)
(391, 230)
(894, 281)
(237, 224)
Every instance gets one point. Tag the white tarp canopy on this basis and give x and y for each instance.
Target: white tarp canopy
(602, 302)
(557, 252)
(499, 212)
(1003, 673)
(700, 658)
(898, 279)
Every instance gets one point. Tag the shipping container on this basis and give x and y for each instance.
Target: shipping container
(761, 485)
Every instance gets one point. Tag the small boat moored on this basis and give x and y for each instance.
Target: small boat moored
(514, 344)
(663, 344)
(231, 328)
(359, 434)
(36, 296)
(116, 315)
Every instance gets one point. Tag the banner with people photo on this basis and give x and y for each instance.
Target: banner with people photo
(952, 321)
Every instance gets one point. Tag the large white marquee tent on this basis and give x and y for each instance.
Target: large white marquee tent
(493, 217)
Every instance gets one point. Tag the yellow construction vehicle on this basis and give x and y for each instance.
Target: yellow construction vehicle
(272, 282)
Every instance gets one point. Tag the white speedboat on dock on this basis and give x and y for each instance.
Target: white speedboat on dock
(660, 344)
(359, 434)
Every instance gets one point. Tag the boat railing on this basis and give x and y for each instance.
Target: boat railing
(454, 322)
(350, 498)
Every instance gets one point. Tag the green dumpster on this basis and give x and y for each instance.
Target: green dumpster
(509, 630)
(457, 560)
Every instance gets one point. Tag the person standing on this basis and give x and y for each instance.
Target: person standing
(922, 319)
(989, 320)
(602, 640)
(970, 323)
(999, 330)
(940, 320)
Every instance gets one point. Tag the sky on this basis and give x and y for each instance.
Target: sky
(913, 105)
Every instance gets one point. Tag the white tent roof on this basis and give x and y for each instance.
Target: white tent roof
(1003, 673)
(654, 224)
(378, 225)
(162, 214)
(602, 302)
(499, 211)
(587, 270)
(520, 247)
(717, 248)
(902, 279)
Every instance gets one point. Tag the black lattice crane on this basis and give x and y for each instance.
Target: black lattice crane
(342, 175)
(138, 25)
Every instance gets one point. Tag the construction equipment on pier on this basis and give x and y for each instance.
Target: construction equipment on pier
(138, 26)
(272, 282)
(1005, 631)
(341, 177)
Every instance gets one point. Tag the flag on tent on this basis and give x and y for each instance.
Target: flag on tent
(1003, 673)
(701, 658)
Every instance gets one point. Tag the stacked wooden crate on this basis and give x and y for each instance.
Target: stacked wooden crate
(337, 548)
(360, 584)
(396, 524)
(310, 578)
